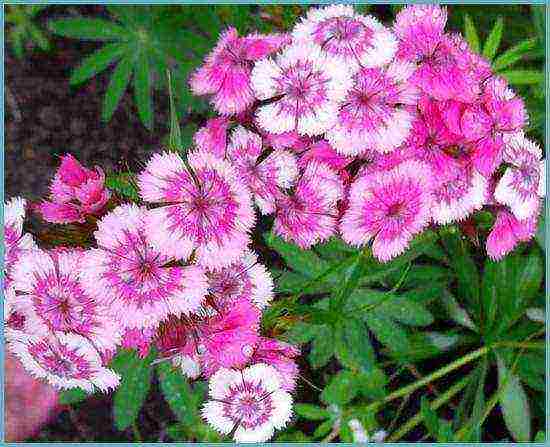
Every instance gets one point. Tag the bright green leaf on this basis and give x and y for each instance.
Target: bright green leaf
(97, 62)
(142, 91)
(123, 183)
(521, 77)
(352, 345)
(72, 396)
(429, 416)
(311, 412)
(177, 392)
(514, 54)
(493, 41)
(117, 86)
(341, 389)
(470, 33)
(88, 29)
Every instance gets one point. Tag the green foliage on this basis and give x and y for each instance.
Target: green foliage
(22, 31)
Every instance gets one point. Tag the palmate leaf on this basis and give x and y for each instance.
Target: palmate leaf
(88, 29)
(117, 85)
(352, 345)
(98, 61)
(142, 90)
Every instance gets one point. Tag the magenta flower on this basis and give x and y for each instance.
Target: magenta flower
(352, 39)
(250, 402)
(375, 115)
(213, 136)
(15, 242)
(20, 317)
(75, 193)
(139, 283)
(507, 232)
(287, 140)
(51, 283)
(206, 208)
(309, 215)
(226, 70)
(65, 361)
(281, 356)
(302, 87)
(138, 339)
(323, 152)
(264, 176)
(390, 207)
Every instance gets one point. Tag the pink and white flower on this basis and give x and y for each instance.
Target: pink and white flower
(389, 207)
(206, 208)
(351, 38)
(20, 318)
(226, 71)
(251, 402)
(281, 356)
(507, 232)
(302, 87)
(213, 136)
(15, 242)
(139, 283)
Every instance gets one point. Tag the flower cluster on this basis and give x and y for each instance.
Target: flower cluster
(371, 132)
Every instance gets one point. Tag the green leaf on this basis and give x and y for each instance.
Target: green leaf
(429, 416)
(322, 347)
(493, 41)
(97, 62)
(352, 345)
(514, 54)
(540, 437)
(323, 429)
(134, 386)
(405, 311)
(124, 184)
(351, 282)
(39, 37)
(388, 332)
(341, 389)
(470, 33)
(541, 231)
(530, 276)
(479, 402)
(457, 313)
(176, 392)
(142, 90)
(302, 333)
(117, 86)
(514, 404)
(88, 29)
(72, 396)
(311, 412)
(522, 77)
(175, 131)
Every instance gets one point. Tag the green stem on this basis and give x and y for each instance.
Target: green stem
(418, 418)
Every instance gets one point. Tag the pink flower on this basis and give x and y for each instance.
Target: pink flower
(389, 207)
(264, 176)
(352, 39)
(65, 361)
(287, 140)
(251, 402)
(375, 115)
(302, 87)
(281, 356)
(521, 186)
(15, 242)
(309, 215)
(138, 339)
(226, 71)
(213, 137)
(20, 318)
(75, 193)
(51, 283)
(139, 283)
(507, 232)
(206, 208)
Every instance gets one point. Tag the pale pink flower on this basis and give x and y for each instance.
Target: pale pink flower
(15, 241)
(323, 152)
(351, 38)
(245, 279)
(522, 183)
(507, 232)
(226, 70)
(20, 318)
(75, 193)
(375, 115)
(264, 176)
(281, 356)
(206, 208)
(302, 87)
(250, 402)
(213, 136)
(310, 214)
(51, 283)
(65, 360)
(139, 283)
(390, 207)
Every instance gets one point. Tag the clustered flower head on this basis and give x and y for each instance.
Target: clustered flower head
(343, 126)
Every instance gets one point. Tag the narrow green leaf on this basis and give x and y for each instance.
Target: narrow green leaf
(323, 429)
(514, 404)
(456, 312)
(530, 276)
(97, 62)
(493, 40)
(175, 131)
(72, 396)
(388, 332)
(541, 230)
(117, 86)
(429, 416)
(351, 282)
(341, 389)
(479, 402)
(142, 90)
(352, 345)
(523, 77)
(176, 392)
(406, 311)
(88, 29)
(311, 412)
(514, 54)
(39, 37)
(123, 183)
(470, 33)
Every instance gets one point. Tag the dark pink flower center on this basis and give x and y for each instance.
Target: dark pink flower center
(343, 36)
(248, 405)
(16, 321)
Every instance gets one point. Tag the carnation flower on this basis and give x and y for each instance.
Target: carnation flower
(374, 115)
(15, 242)
(226, 71)
(352, 39)
(302, 87)
(75, 193)
(389, 207)
(20, 318)
(287, 140)
(323, 152)
(51, 283)
(139, 283)
(65, 360)
(245, 279)
(138, 339)
(507, 232)
(309, 215)
(281, 356)
(250, 402)
(265, 177)
(213, 137)
(206, 207)
(521, 186)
